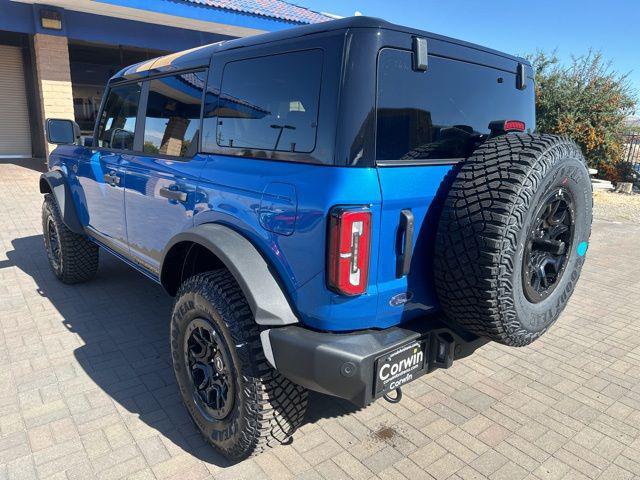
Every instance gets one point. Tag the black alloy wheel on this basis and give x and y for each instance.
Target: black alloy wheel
(209, 370)
(53, 242)
(548, 245)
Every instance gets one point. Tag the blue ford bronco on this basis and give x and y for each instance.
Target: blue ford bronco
(341, 207)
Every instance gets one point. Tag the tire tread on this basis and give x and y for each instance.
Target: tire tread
(477, 232)
(275, 406)
(79, 255)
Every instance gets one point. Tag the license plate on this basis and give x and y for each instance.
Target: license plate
(400, 366)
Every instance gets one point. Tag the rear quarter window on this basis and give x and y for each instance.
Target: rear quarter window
(268, 104)
(443, 113)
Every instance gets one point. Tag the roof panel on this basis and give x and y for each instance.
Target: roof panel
(200, 56)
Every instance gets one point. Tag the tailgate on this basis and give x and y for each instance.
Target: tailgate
(413, 189)
(426, 122)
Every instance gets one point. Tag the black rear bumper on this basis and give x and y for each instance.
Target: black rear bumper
(344, 364)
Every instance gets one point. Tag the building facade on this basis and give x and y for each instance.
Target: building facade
(56, 57)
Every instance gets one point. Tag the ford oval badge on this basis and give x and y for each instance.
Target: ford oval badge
(400, 299)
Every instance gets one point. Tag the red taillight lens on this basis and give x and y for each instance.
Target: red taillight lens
(349, 247)
(514, 126)
(500, 127)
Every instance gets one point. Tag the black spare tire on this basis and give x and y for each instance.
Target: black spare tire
(512, 236)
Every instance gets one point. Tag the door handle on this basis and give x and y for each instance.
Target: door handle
(405, 243)
(177, 195)
(112, 179)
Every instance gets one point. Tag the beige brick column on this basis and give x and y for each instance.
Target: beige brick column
(173, 138)
(54, 78)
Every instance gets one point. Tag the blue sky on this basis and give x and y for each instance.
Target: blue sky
(570, 26)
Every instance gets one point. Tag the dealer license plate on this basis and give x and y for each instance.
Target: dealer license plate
(401, 366)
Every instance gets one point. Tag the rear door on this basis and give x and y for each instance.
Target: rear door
(427, 121)
(161, 178)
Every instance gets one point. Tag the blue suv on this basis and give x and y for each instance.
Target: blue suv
(340, 207)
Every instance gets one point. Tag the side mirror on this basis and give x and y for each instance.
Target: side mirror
(62, 131)
(121, 139)
(88, 142)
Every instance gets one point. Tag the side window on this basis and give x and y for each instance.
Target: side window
(270, 103)
(118, 120)
(442, 113)
(173, 114)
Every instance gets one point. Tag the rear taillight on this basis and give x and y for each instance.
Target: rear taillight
(349, 247)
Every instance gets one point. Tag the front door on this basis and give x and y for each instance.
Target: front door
(101, 173)
(161, 182)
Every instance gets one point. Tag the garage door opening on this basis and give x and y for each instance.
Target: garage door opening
(15, 130)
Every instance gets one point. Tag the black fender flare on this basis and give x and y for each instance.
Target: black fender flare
(259, 284)
(55, 182)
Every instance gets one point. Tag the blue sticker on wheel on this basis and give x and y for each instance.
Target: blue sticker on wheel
(582, 248)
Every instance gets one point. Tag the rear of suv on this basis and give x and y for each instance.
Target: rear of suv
(340, 207)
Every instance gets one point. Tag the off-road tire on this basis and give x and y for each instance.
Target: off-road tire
(484, 226)
(78, 256)
(268, 408)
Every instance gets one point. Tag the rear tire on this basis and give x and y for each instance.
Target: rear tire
(244, 406)
(73, 258)
(515, 199)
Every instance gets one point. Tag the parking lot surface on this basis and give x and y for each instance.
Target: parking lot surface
(87, 389)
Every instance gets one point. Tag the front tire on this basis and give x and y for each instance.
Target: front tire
(237, 400)
(73, 258)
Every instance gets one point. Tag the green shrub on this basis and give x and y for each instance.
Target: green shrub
(587, 101)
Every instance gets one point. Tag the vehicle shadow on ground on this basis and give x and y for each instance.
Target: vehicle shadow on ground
(123, 320)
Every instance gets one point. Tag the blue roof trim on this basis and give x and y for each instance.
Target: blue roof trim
(130, 33)
(24, 18)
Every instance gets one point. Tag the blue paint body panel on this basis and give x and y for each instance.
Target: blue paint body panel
(231, 191)
(420, 190)
(151, 219)
(287, 224)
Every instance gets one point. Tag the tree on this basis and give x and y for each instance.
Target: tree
(587, 101)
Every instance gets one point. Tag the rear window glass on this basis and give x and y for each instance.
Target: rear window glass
(173, 114)
(444, 112)
(118, 123)
(270, 103)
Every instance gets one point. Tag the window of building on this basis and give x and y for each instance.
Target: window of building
(444, 112)
(118, 122)
(270, 103)
(173, 114)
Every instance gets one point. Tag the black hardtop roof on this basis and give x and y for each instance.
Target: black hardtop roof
(200, 56)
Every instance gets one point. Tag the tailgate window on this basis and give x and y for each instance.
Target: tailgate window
(441, 114)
